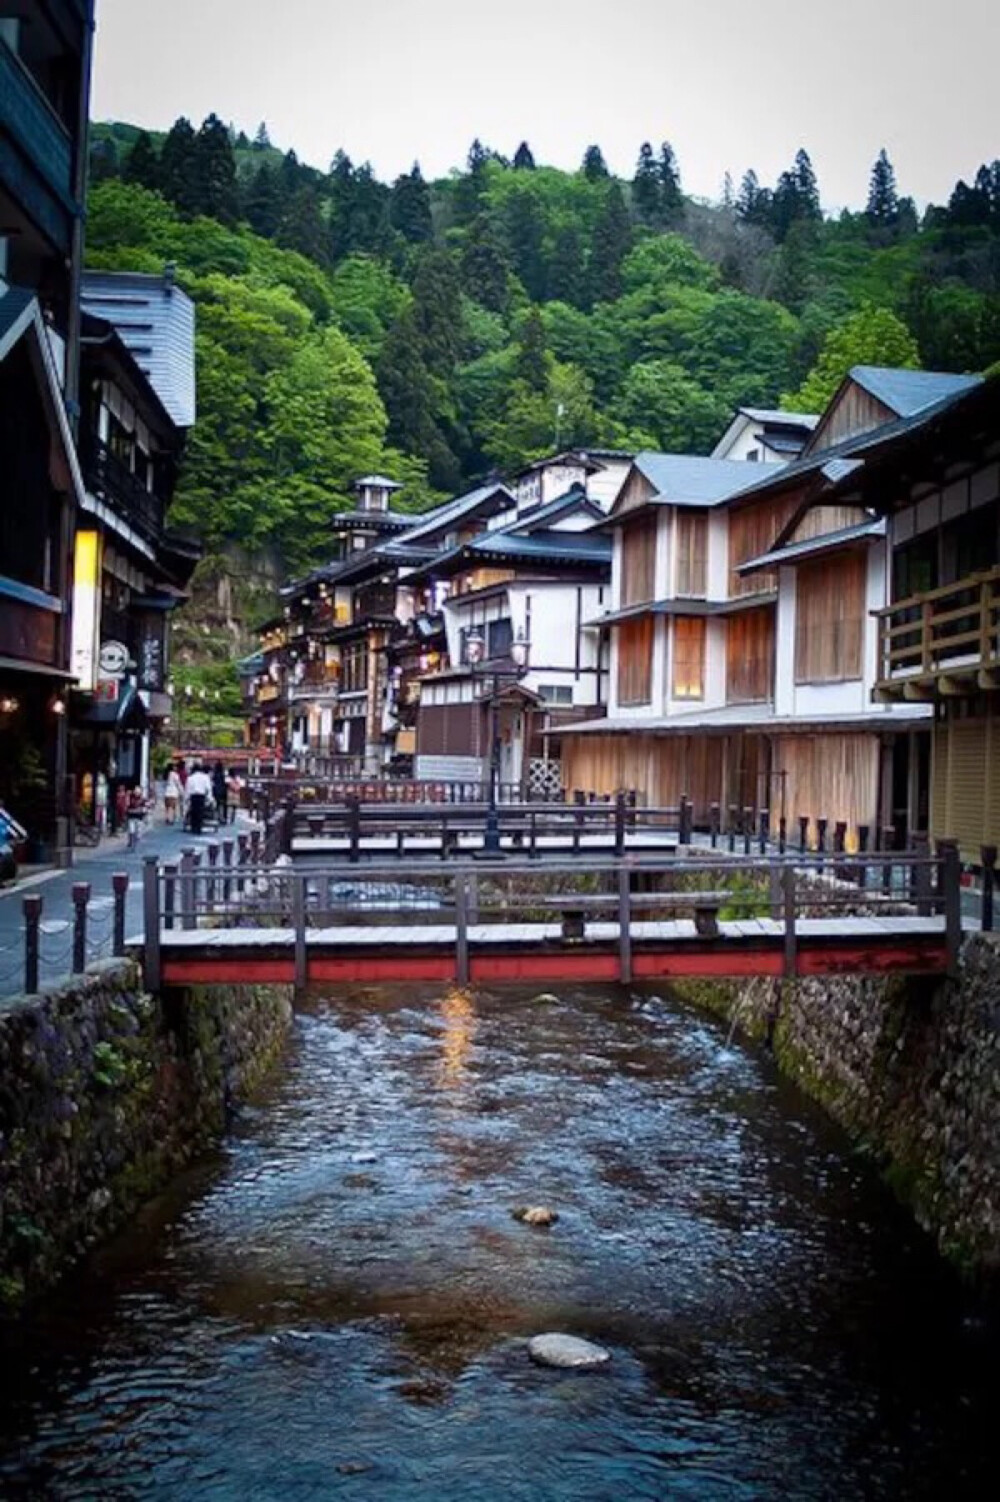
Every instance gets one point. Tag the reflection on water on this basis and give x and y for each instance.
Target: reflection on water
(338, 1305)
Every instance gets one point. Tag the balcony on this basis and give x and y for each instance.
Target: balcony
(110, 480)
(38, 170)
(941, 643)
(319, 681)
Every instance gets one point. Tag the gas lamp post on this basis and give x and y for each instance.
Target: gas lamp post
(496, 679)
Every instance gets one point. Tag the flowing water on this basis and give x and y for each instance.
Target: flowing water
(337, 1305)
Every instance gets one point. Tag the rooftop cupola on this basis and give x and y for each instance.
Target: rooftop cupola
(374, 492)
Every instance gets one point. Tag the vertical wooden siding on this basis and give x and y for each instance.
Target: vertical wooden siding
(830, 617)
(753, 530)
(965, 782)
(692, 552)
(750, 656)
(638, 561)
(829, 776)
(688, 674)
(635, 661)
(658, 768)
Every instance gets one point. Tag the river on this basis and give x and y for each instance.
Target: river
(337, 1303)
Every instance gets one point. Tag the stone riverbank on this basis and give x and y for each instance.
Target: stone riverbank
(911, 1068)
(105, 1093)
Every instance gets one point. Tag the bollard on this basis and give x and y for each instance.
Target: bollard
(861, 871)
(169, 894)
(803, 833)
(888, 839)
(81, 896)
(764, 832)
(212, 885)
(31, 906)
(713, 825)
(747, 830)
(151, 922)
(119, 885)
(988, 856)
(782, 835)
(619, 825)
(186, 883)
(686, 820)
(732, 828)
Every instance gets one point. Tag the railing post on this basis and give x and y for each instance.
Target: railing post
(444, 832)
(950, 888)
(791, 938)
(685, 820)
(462, 929)
(288, 827)
(625, 924)
(533, 836)
(821, 841)
(920, 884)
(243, 846)
(764, 831)
(119, 886)
(187, 887)
(782, 835)
(299, 925)
(619, 825)
(803, 833)
(861, 870)
(255, 851)
(31, 906)
(713, 825)
(81, 896)
(988, 857)
(888, 846)
(212, 886)
(774, 888)
(747, 830)
(579, 799)
(354, 827)
(151, 966)
(733, 815)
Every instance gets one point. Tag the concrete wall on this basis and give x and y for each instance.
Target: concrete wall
(912, 1070)
(105, 1093)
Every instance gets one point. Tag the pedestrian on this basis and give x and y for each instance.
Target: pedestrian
(199, 790)
(234, 790)
(219, 791)
(135, 814)
(173, 793)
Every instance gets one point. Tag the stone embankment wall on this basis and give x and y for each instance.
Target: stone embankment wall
(912, 1069)
(105, 1093)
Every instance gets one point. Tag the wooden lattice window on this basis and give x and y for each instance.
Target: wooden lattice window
(635, 661)
(688, 677)
(638, 561)
(830, 618)
(692, 553)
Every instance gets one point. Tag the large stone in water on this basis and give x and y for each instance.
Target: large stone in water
(567, 1352)
(536, 1215)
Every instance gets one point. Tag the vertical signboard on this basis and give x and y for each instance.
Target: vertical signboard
(86, 608)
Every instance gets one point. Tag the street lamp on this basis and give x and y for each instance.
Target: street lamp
(496, 677)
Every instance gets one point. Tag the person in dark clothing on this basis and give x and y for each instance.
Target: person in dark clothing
(219, 791)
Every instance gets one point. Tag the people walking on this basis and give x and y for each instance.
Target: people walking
(173, 794)
(199, 790)
(219, 788)
(234, 789)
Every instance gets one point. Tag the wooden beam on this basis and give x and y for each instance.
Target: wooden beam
(919, 693)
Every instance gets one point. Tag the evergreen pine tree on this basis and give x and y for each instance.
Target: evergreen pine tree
(340, 189)
(261, 140)
(302, 227)
(485, 268)
(437, 312)
(530, 364)
(524, 233)
(728, 201)
(406, 388)
(263, 207)
(215, 169)
(410, 206)
(808, 187)
(882, 210)
(142, 165)
(523, 159)
(471, 188)
(103, 164)
(179, 164)
(611, 244)
(594, 167)
(368, 223)
(567, 274)
(671, 200)
(646, 186)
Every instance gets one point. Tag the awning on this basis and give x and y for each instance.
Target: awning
(96, 711)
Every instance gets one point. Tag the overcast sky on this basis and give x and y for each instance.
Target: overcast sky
(730, 84)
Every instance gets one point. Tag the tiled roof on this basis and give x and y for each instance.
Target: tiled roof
(693, 479)
(906, 392)
(451, 511)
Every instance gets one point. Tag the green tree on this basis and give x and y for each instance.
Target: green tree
(882, 210)
(410, 207)
(215, 172)
(485, 268)
(671, 199)
(566, 279)
(523, 228)
(523, 159)
(261, 140)
(142, 165)
(661, 407)
(367, 299)
(611, 244)
(646, 187)
(470, 190)
(302, 226)
(530, 366)
(437, 311)
(180, 168)
(594, 167)
(872, 336)
(263, 205)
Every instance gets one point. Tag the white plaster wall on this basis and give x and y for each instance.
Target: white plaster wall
(717, 572)
(715, 664)
(784, 666)
(606, 483)
(662, 583)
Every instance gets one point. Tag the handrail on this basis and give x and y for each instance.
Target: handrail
(982, 576)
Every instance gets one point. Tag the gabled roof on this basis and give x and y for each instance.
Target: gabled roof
(574, 499)
(582, 457)
(908, 391)
(693, 479)
(784, 432)
(775, 417)
(442, 517)
(378, 482)
(21, 316)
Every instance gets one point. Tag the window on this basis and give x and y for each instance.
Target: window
(692, 544)
(556, 693)
(635, 661)
(354, 667)
(638, 561)
(829, 618)
(753, 456)
(689, 658)
(499, 638)
(750, 657)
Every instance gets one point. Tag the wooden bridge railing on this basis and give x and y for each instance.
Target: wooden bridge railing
(233, 890)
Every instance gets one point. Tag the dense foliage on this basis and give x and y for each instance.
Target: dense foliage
(444, 329)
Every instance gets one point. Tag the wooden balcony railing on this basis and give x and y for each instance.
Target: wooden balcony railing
(953, 631)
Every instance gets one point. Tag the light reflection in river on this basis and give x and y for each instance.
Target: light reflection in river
(338, 1306)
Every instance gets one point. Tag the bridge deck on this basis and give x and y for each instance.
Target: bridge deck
(538, 951)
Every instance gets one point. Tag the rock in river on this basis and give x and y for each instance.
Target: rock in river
(536, 1215)
(567, 1352)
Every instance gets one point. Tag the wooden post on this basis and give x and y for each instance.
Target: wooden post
(227, 866)
(119, 886)
(733, 815)
(579, 799)
(533, 836)
(169, 893)
(685, 821)
(747, 830)
(619, 825)
(461, 930)
(243, 846)
(625, 924)
(888, 844)
(764, 831)
(299, 925)
(950, 887)
(151, 923)
(988, 856)
(921, 875)
(713, 825)
(821, 840)
(803, 833)
(81, 896)
(791, 939)
(354, 828)
(255, 847)
(774, 888)
(31, 906)
(187, 887)
(782, 835)
(212, 886)
(288, 827)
